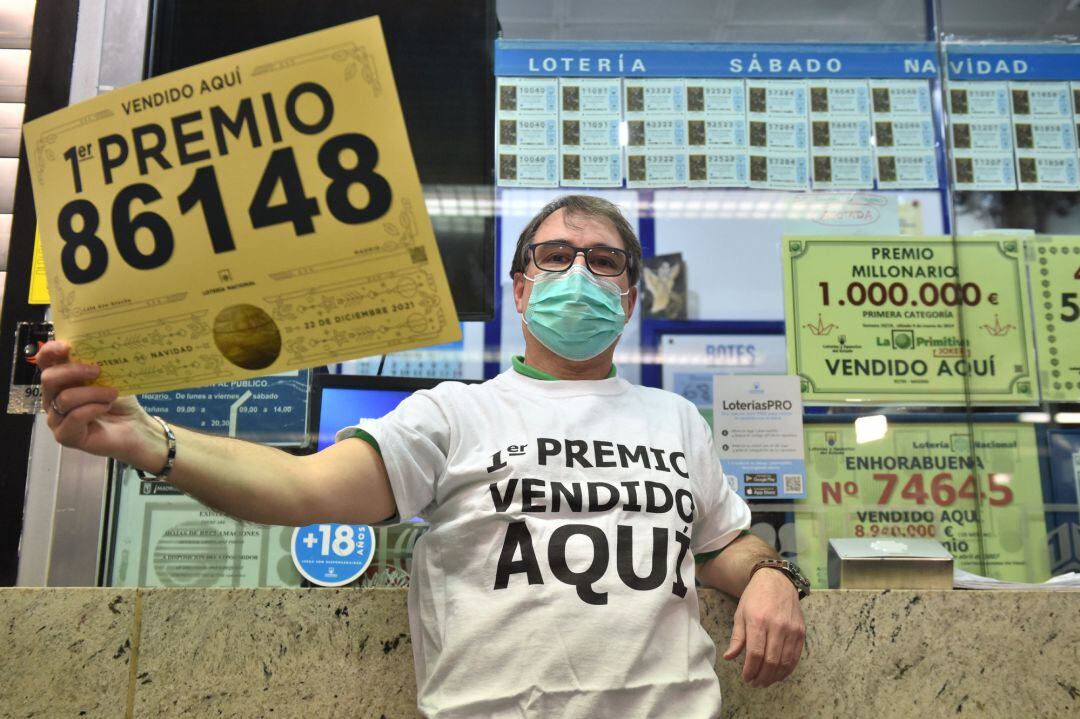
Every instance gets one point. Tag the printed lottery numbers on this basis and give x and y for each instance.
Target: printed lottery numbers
(204, 190)
(1070, 308)
(79, 221)
(342, 543)
(86, 237)
(942, 492)
(337, 194)
(297, 208)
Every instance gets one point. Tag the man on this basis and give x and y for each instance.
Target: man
(566, 505)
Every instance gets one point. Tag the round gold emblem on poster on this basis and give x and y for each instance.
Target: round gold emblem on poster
(247, 336)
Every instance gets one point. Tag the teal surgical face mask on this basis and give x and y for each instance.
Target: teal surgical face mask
(575, 314)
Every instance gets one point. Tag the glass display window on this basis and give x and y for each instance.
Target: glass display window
(877, 198)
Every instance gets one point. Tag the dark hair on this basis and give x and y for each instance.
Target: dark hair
(581, 206)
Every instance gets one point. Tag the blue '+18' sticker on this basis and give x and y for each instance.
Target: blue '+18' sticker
(332, 555)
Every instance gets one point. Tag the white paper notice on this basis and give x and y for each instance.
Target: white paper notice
(982, 147)
(1045, 136)
(716, 133)
(779, 171)
(590, 113)
(1040, 100)
(974, 100)
(655, 114)
(778, 134)
(526, 132)
(904, 142)
(163, 538)
(840, 134)
(758, 434)
(984, 172)
(719, 169)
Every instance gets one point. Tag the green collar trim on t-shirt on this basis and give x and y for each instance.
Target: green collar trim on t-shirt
(519, 365)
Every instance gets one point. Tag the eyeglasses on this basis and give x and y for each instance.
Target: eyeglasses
(558, 256)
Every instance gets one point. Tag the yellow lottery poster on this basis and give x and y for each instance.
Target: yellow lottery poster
(984, 503)
(1055, 276)
(250, 215)
(922, 320)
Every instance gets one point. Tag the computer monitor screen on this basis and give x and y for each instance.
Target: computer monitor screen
(343, 400)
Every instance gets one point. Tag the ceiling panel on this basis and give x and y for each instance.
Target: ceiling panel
(5, 240)
(1010, 19)
(704, 20)
(11, 115)
(16, 19)
(13, 67)
(9, 166)
(786, 12)
(786, 20)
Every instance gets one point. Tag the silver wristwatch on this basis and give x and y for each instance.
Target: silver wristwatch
(170, 455)
(790, 569)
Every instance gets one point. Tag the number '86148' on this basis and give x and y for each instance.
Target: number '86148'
(79, 221)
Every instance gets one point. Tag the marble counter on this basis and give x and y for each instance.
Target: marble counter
(346, 652)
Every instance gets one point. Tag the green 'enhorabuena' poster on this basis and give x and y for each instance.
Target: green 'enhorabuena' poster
(984, 503)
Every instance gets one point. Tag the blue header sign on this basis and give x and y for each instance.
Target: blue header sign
(529, 58)
(1013, 62)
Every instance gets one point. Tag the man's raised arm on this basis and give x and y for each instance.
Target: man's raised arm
(346, 482)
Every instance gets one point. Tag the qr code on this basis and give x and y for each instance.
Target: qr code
(793, 484)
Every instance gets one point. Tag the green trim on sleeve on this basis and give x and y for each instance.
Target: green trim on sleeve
(702, 558)
(366, 436)
(361, 434)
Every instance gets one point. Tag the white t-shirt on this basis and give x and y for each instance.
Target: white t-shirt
(557, 578)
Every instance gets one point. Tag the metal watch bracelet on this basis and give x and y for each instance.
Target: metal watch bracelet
(170, 458)
(790, 570)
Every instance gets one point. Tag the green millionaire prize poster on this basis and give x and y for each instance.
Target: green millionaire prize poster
(983, 503)
(909, 320)
(1055, 276)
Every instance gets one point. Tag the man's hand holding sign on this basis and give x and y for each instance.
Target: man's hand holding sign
(275, 221)
(249, 215)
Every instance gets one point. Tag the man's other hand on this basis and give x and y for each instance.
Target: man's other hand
(769, 626)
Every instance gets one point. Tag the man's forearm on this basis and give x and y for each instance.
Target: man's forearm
(244, 480)
(344, 483)
(730, 570)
